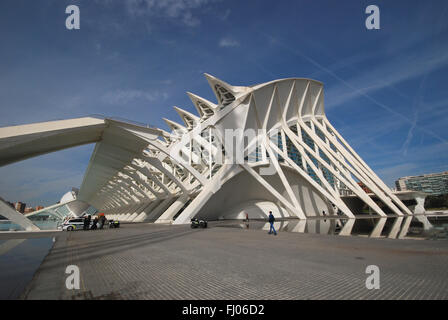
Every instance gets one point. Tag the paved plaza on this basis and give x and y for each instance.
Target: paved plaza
(150, 261)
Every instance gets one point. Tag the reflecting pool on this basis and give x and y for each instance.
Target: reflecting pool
(411, 227)
(19, 260)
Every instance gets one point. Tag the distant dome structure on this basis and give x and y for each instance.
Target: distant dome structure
(69, 196)
(76, 207)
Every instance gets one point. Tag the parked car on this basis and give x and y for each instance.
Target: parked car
(74, 224)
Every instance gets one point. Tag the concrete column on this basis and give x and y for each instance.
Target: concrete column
(122, 217)
(137, 211)
(146, 211)
(194, 206)
(160, 209)
(16, 217)
(420, 207)
(131, 211)
(167, 216)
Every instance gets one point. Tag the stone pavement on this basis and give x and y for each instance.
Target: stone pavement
(147, 261)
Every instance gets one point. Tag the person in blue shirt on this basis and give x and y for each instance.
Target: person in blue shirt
(271, 221)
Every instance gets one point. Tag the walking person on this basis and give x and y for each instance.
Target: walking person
(89, 218)
(102, 220)
(271, 221)
(85, 224)
(95, 221)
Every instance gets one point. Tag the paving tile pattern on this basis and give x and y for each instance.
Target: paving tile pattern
(147, 261)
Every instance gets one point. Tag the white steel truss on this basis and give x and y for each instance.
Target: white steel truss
(294, 162)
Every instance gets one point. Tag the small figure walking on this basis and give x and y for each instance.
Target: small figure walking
(271, 221)
(95, 222)
(87, 222)
(101, 220)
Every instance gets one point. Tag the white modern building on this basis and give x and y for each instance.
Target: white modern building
(267, 147)
(433, 183)
(68, 207)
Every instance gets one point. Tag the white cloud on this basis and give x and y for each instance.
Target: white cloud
(173, 9)
(228, 42)
(225, 15)
(44, 179)
(189, 20)
(392, 164)
(390, 174)
(385, 76)
(410, 134)
(126, 96)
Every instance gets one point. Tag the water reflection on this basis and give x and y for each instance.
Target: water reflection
(6, 225)
(409, 227)
(19, 260)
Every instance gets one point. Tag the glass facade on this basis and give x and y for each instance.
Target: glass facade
(51, 218)
(295, 155)
(434, 183)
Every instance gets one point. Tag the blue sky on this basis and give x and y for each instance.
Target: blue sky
(385, 90)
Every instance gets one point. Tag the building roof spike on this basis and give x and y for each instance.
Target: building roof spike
(188, 118)
(224, 92)
(204, 107)
(175, 126)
